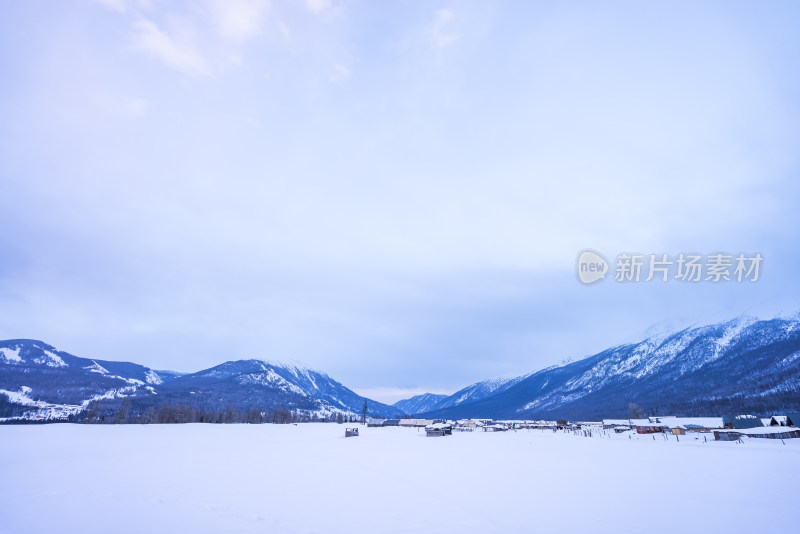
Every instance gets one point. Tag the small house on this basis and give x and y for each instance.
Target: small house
(727, 435)
(466, 426)
(438, 430)
(350, 432)
(608, 424)
(650, 428)
(777, 420)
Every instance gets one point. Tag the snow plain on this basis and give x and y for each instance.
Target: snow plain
(308, 478)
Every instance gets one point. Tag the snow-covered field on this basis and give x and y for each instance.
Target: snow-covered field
(197, 478)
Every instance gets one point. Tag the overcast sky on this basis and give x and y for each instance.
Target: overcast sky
(392, 192)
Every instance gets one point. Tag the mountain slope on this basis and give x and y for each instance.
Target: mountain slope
(428, 402)
(39, 382)
(420, 403)
(479, 390)
(739, 365)
(264, 385)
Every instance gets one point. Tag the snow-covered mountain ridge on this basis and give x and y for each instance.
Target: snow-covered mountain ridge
(740, 365)
(39, 382)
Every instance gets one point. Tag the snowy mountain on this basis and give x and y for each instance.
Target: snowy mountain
(479, 390)
(266, 385)
(39, 382)
(420, 403)
(743, 365)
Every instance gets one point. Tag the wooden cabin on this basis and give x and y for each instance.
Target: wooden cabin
(438, 430)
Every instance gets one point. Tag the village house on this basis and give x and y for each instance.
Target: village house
(438, 430)
(790, 419)
(650, 428)
(614, 423)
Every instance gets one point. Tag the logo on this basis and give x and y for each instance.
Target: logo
(718, 267)
(591, 267)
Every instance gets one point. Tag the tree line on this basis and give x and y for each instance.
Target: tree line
(181, 413)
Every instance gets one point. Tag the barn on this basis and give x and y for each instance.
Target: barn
(741, 421)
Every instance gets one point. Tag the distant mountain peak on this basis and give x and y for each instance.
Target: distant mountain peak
(742, 363)
(56, 384)
(424, 402)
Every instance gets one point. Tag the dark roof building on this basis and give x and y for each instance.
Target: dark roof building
(793, 419)
(741, 421)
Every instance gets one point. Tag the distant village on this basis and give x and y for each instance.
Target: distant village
(726, 428)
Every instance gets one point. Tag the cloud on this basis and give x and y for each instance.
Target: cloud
(116, 5)
(127, 106)
(339, 73)
(318, 6)
(239, 20)
(440, 37)
(181, 56)
(122, 6)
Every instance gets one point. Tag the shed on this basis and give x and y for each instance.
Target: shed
(727, 435)
(614, 423)
(350, 432)
(438, 430)
(391, 422)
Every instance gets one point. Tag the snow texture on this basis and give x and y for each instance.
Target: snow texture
(310, 478)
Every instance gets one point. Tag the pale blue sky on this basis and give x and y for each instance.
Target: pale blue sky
(391, 192)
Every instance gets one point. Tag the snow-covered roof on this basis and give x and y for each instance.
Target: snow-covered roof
(692, 422)
(415, 422)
